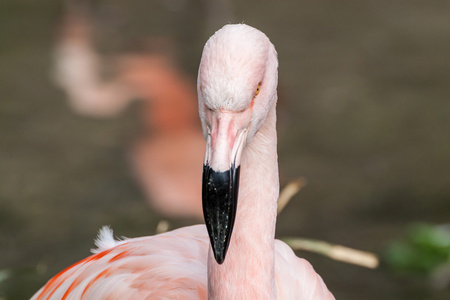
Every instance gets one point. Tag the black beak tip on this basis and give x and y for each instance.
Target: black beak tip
(220, 257)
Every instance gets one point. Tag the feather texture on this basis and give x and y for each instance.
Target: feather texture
(139, 269)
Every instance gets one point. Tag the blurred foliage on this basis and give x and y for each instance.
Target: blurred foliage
(423, 251)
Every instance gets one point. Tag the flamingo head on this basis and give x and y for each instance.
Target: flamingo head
(237, 83)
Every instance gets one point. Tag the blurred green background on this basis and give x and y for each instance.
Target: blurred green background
(363, 115)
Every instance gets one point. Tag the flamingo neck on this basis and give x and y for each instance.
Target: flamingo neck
(248, 271)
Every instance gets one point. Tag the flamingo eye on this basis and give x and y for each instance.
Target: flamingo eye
(257, 89)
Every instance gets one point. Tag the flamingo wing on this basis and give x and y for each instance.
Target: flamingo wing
(165, 266)
(171, 265)
(295, 277)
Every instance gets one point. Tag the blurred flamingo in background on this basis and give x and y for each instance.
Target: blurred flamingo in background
(237, 97)
(170, 150)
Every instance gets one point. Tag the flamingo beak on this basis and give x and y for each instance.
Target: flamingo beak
(221, 169)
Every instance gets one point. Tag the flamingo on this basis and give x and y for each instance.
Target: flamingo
(170, 147)
(235, 256)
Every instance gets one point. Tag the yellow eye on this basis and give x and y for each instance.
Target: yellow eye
(257, 90)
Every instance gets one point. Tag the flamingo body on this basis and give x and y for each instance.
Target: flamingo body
(138, 269)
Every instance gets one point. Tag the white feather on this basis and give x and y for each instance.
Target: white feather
(105, 240)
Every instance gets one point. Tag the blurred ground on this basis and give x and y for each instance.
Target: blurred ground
(364, 116)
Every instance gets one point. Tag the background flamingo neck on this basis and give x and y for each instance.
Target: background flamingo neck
(248, 271)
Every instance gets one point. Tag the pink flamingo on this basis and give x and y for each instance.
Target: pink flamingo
(237, 96)
(169, 149)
